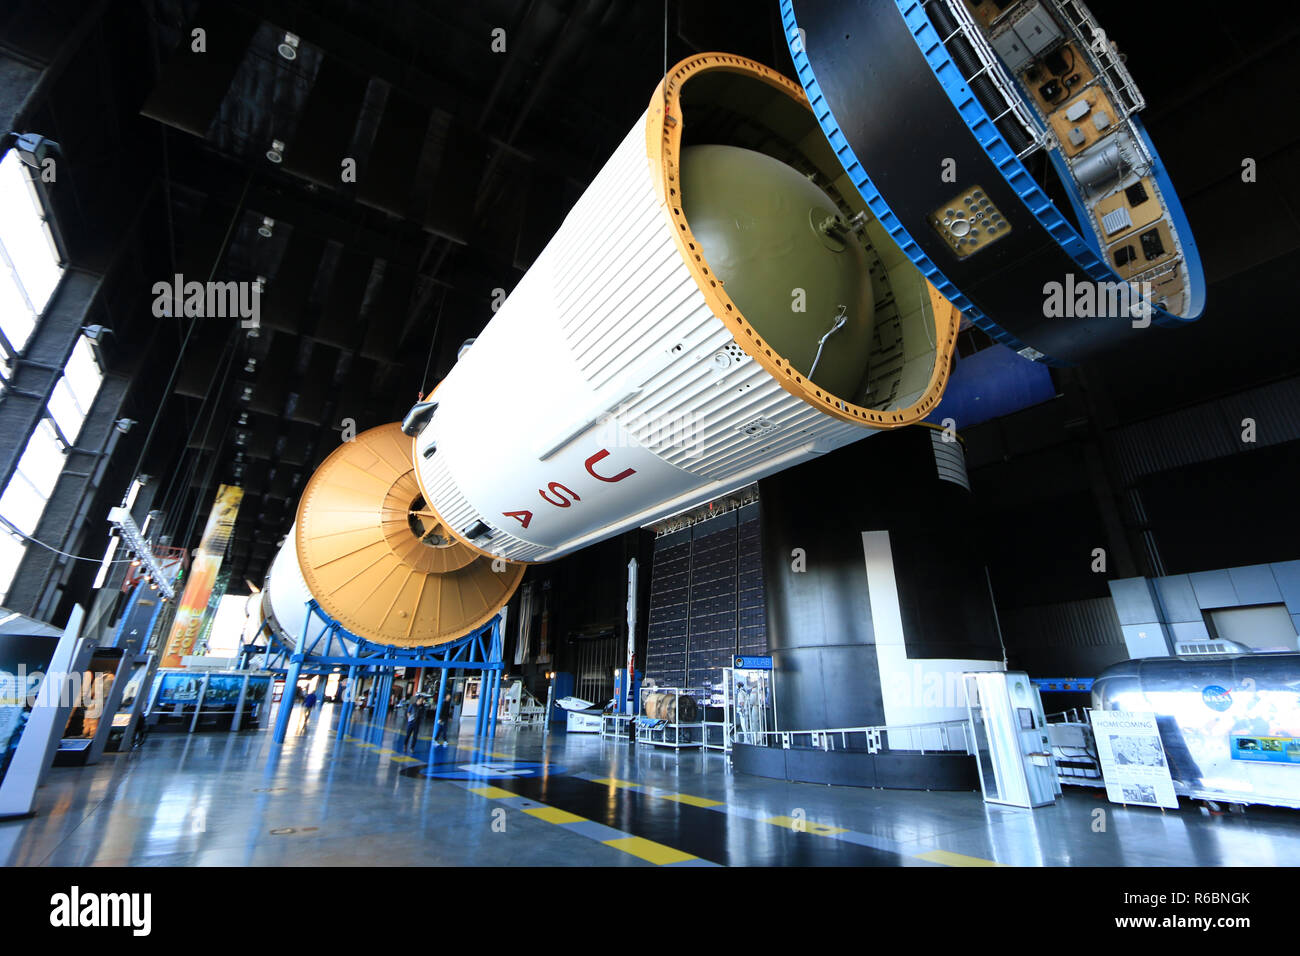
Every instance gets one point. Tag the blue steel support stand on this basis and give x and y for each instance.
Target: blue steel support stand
(496, 704)
(381, 713)
(485, 689)
(350, 696)
(286, 697)
(494, 701)
(437, 713)
(480, 650)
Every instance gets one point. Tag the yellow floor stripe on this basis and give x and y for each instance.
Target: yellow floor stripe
(554, 815)
(404, 760)
(491, 792)
(948, 858)
(692, 801)
(615, 782)
(805, 826)
(649, 850)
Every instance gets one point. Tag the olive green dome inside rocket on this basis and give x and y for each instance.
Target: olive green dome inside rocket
(762, 226)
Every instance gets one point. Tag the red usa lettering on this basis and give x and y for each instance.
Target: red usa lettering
(559, 495)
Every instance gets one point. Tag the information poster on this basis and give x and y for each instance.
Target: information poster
(223, 691)
(1133, 760)
(1266, 749)
(179, 688)
(23, 663)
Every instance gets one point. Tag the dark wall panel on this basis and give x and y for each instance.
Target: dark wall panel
(820, 621)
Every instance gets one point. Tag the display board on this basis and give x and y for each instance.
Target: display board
(36, 696)
(1133, 760)
(23, 663)
(174, 688)
(223, 691)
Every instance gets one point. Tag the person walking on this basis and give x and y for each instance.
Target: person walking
(414, 717)
(447, 704)
(308, 703)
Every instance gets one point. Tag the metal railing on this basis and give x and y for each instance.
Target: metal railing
(1076, 764)
(1115, 76)
(952, 736)
(991, 67)
(1075, 715)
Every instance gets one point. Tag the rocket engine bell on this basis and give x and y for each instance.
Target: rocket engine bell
(717, 306)
(366, 549)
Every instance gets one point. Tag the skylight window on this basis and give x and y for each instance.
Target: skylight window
(76, 390)
(24, 497)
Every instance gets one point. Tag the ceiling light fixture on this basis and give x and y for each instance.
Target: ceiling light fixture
(288, 47)
(276, 153)
(266, 228)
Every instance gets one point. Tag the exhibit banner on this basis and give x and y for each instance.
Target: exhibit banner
(210, 613)
(193, 608)
(1133, 760)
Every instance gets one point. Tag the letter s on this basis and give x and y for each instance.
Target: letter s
(556, 488)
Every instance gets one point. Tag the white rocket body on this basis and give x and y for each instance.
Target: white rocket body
(605, 394)
(285, 597)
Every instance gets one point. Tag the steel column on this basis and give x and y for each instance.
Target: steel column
(239, 707)
(349, 701)
(286, 698)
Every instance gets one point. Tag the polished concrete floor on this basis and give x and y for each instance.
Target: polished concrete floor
(525, 799)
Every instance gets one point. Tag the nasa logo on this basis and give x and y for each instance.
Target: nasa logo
(490, 769)
(1216, 697)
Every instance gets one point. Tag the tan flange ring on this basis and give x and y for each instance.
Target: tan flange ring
(663, 147)
(378, 559)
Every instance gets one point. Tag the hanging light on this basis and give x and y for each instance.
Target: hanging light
(288, 47)
(276, 153)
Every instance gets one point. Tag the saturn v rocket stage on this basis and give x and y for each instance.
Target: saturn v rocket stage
(758, 276)
(719, 305)
(731, 296)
